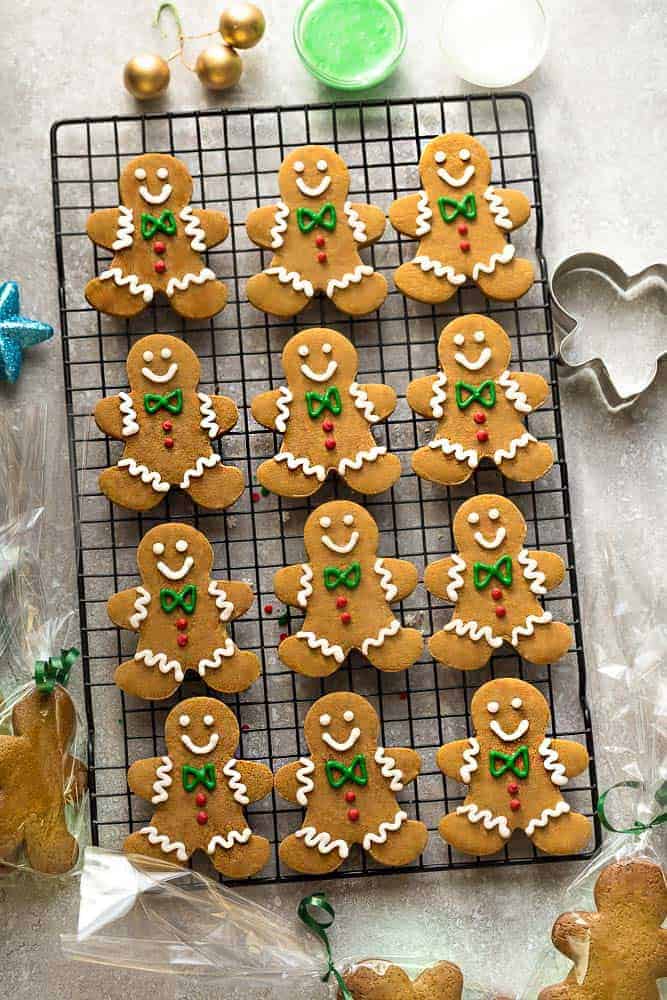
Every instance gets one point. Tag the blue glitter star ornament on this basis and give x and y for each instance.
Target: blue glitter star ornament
(16, 332)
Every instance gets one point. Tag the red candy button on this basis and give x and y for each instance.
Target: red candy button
(496, 593)
(479, 418)
(202, 818)
(346, 617)
(328, 426)
(462, 229)
(500, 611)
(159, 246)
(350, 796)
(514, 805)
(200, 799)
(512, 788)
(353, 815)
(464, 245)
(167, 425)
(160, 266)
(268, 609)
(330, 444)
(482, 435)
(181, 624)
(320, 241)
(169, 442)
(322, 257)
(341, 602)
(182, 640)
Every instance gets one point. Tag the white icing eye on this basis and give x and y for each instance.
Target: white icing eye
(440, 156)
(140, 174)
(325, 522)
(208, 720)
(298, 166)
(459, 339)
(304, 351)
(325, 719)
(349, 715)
(162, 173)
(479, 337)
(148, 356)
(165, 353)
(158, 548)
(327, 348)
(494, 514)
(473, 517)
(184, 721)
(322, 165)
(464, 155)
(348, 519)
(181, 545)
(492, 707)
(516, 703)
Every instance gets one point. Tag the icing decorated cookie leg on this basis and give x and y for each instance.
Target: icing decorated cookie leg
(297, 653)
(565, 834)
(242, 859)
(236, 673)
(218, 487)
(399, 847)
(374, 477)
(468, 837)
(360, 298)
(149, 845)
(506, 282)
(141, 681)
(423, 285)
(295, 853)
(530, 461)
(112, 299)
(279, 478)
(396, 650)
(199, 300)
(459, 651)
(440, 465)
(268, 293)
(546, 643)
(132, 491)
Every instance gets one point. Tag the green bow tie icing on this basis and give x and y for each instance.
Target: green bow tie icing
(185, 599)
(450, 208)
(171, 401)
(518, 763)
(193, 776)
(150, 225)
(307, 220)
(484, 573)
(349, 576)
(484, 394)
(318, 402)
(339, 774)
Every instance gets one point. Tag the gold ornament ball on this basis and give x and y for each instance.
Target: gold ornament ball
(218, 67)
(242, 25)
(146, 76)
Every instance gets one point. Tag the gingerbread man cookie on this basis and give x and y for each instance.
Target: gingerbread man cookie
(461, 221)
(348, 788)
(326, 417)
(316, 234)
(39, 781)
(200, 791)
(515, 773)
(345, 591)
(480, 407)
(494, 583)
(374, 979)
(167, 426)
(158, 239)
(620, 952)
(181, 617)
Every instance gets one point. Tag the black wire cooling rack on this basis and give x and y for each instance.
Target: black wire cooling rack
(234, 156)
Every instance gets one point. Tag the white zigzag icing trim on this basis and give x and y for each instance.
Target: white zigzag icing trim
(504, 257)
(322, 841)
(440, 270)
(486, 817)
(355, 223)
(236, 786)
(202, 463)
(130, 425)
(389, 770)
(511, 450)
(306, 587)
(135, 287)
(292, 278)
(474, 630)
(182, 284)
(326, 648)
(362, 456)
(161, 661)
(469, 755)
(525, 631)
(165, 843)
(208, 422)
(552, 763)
(514, 393)
(390, 589)
(362, 402)
(547, 814)
(304, 464)
(224, 606)
(283, 402)
(233, 837)
(439, 395)
(531, 572)
(193, 229)
(163, 781)
(455, 575)
(154, 478)
(387, 630)
(125, 229)
(351, 278)
(424, 213)
(456, 449)
(498, 209)
(389, 826)
(280, 227)
(303, 777)
(141, 602)
(218, 657)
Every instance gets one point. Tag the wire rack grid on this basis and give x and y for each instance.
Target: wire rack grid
(234, 156)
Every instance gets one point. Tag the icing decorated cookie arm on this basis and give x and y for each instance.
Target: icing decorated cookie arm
(265, 408)
(407, 761)
(109, 417)
(437, 578)
(239, 593)
(286, 782)
(404, 578)
(420, 395)
(382, 397)
(257, 778)
(572, 755)
(550, 565)
(102, 227)
(287, 584)
(450, 758)
(226, 413)
(534, 387)
(144, 775)
(125, 608)
(215, 225)
(404, 213)
(372, 219)
(516, 203)
(261, 222)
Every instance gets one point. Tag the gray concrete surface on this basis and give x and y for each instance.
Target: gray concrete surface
(600, 112)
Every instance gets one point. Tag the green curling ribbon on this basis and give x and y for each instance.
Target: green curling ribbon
(467, 208)
(339, 774)
(55, 670)
(321, 905)
(307, 220)
(484, 394)
(349, 576)
(318, 402)
(150, 225)
(171, 401)
(500, 763)
(172, 599)
(637, 826)
(193, 776)
(484, 573)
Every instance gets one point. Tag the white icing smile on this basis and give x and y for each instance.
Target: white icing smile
(456, 182)
(313, 192)
(176, 574)
(155, 199)
(319, 376)
(497, 539)
(196, 748)
(342, 550)
(346, 744)
(473, 366)
(496, 728)
(165, 377)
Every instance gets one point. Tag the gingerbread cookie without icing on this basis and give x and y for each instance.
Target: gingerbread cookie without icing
(515, 773)
(326, 418)
(494, 584)
(39, 780)
(158, 239)
(461, 221)
(374, 979)
(620, 952)
(348, 788)
(345, 590)
(200, 791)
(316, 234)
(480, 407)
(181, 617)
(167, 425)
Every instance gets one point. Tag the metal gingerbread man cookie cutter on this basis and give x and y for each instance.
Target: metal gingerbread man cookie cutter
(629, 286)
